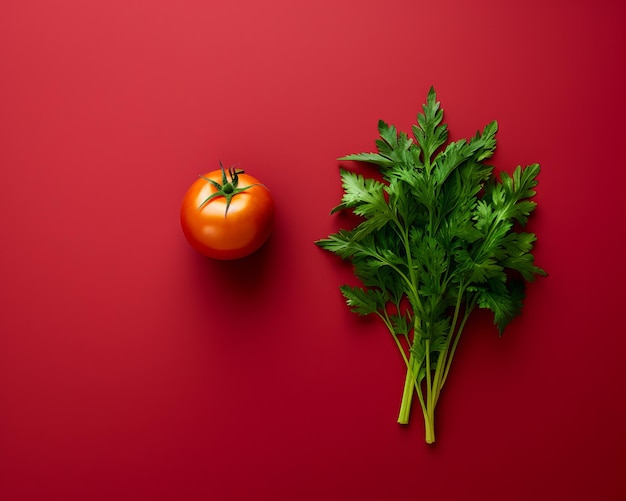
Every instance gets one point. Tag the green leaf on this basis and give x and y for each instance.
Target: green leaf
(479, 271)
(363, 301)
(481, 147)
(504, 300)
(484, 145)
(340, 243)
(511, 196)
(429, 131)
(393, 148)
(389, 136)
(373, 158)
(401, 324)
(360, 191)
(455, 154)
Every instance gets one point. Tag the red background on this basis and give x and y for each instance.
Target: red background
(133, 368)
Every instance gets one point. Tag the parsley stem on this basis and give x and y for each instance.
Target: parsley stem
(468, 310)
(429, 383)
(411, 384)
(412, 279)
(412, 381)
(407, 395)
(429, 422)
(429, 411)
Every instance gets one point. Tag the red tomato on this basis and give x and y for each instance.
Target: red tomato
(226, 218)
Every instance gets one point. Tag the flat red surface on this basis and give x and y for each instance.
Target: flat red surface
(133, 368)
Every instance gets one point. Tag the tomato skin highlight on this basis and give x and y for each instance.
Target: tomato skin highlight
(220, 234)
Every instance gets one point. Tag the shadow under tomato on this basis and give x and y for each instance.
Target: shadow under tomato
(238, 281)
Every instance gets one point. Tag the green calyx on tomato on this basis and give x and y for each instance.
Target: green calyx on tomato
(228, 189)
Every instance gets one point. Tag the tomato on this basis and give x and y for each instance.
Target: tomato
(226, 218)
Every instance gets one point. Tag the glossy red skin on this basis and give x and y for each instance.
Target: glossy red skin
(240, 232)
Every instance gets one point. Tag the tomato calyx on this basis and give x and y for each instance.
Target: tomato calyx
(228, 189)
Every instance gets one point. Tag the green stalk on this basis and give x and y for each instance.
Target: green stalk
(407, 395)
(410, 383)
(468, 311)
(443, 356)
(429, 415)
(429, 423)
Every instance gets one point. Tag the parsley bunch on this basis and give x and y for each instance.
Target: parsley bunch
(440, 235)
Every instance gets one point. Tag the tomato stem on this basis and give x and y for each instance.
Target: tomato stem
(228, 189)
